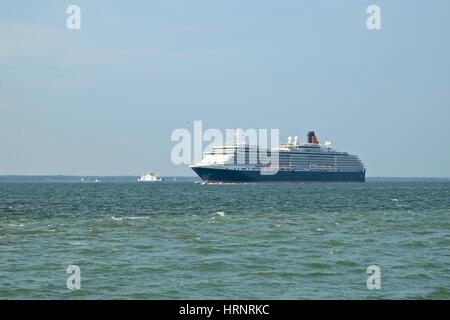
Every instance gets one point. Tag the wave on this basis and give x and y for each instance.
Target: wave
(12, 225)
(219, 214)
(128, 218)
(415, 244)
(438, 293)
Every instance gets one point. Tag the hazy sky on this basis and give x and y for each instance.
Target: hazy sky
(105, 99)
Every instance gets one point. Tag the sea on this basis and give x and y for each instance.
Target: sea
(384, 239)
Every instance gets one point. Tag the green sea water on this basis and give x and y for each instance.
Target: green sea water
(180, 240)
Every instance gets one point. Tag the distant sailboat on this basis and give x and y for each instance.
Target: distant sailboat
(89, 181)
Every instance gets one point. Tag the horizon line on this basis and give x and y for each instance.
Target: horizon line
(195, 176)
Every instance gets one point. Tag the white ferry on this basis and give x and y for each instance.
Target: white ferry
(149, 177)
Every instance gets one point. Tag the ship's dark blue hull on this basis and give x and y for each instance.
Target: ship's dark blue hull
(230, 175)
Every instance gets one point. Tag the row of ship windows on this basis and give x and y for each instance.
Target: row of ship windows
(300, 157)
(321, 161)
(254, 151)
(333, 160)
(309, 160)
(299, 163)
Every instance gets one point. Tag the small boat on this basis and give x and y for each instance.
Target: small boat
(149, 177)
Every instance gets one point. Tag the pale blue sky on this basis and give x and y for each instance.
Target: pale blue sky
(104, 100)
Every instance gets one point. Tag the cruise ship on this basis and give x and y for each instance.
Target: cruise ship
(296, 161)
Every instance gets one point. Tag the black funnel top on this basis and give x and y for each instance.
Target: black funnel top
(311, 134)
